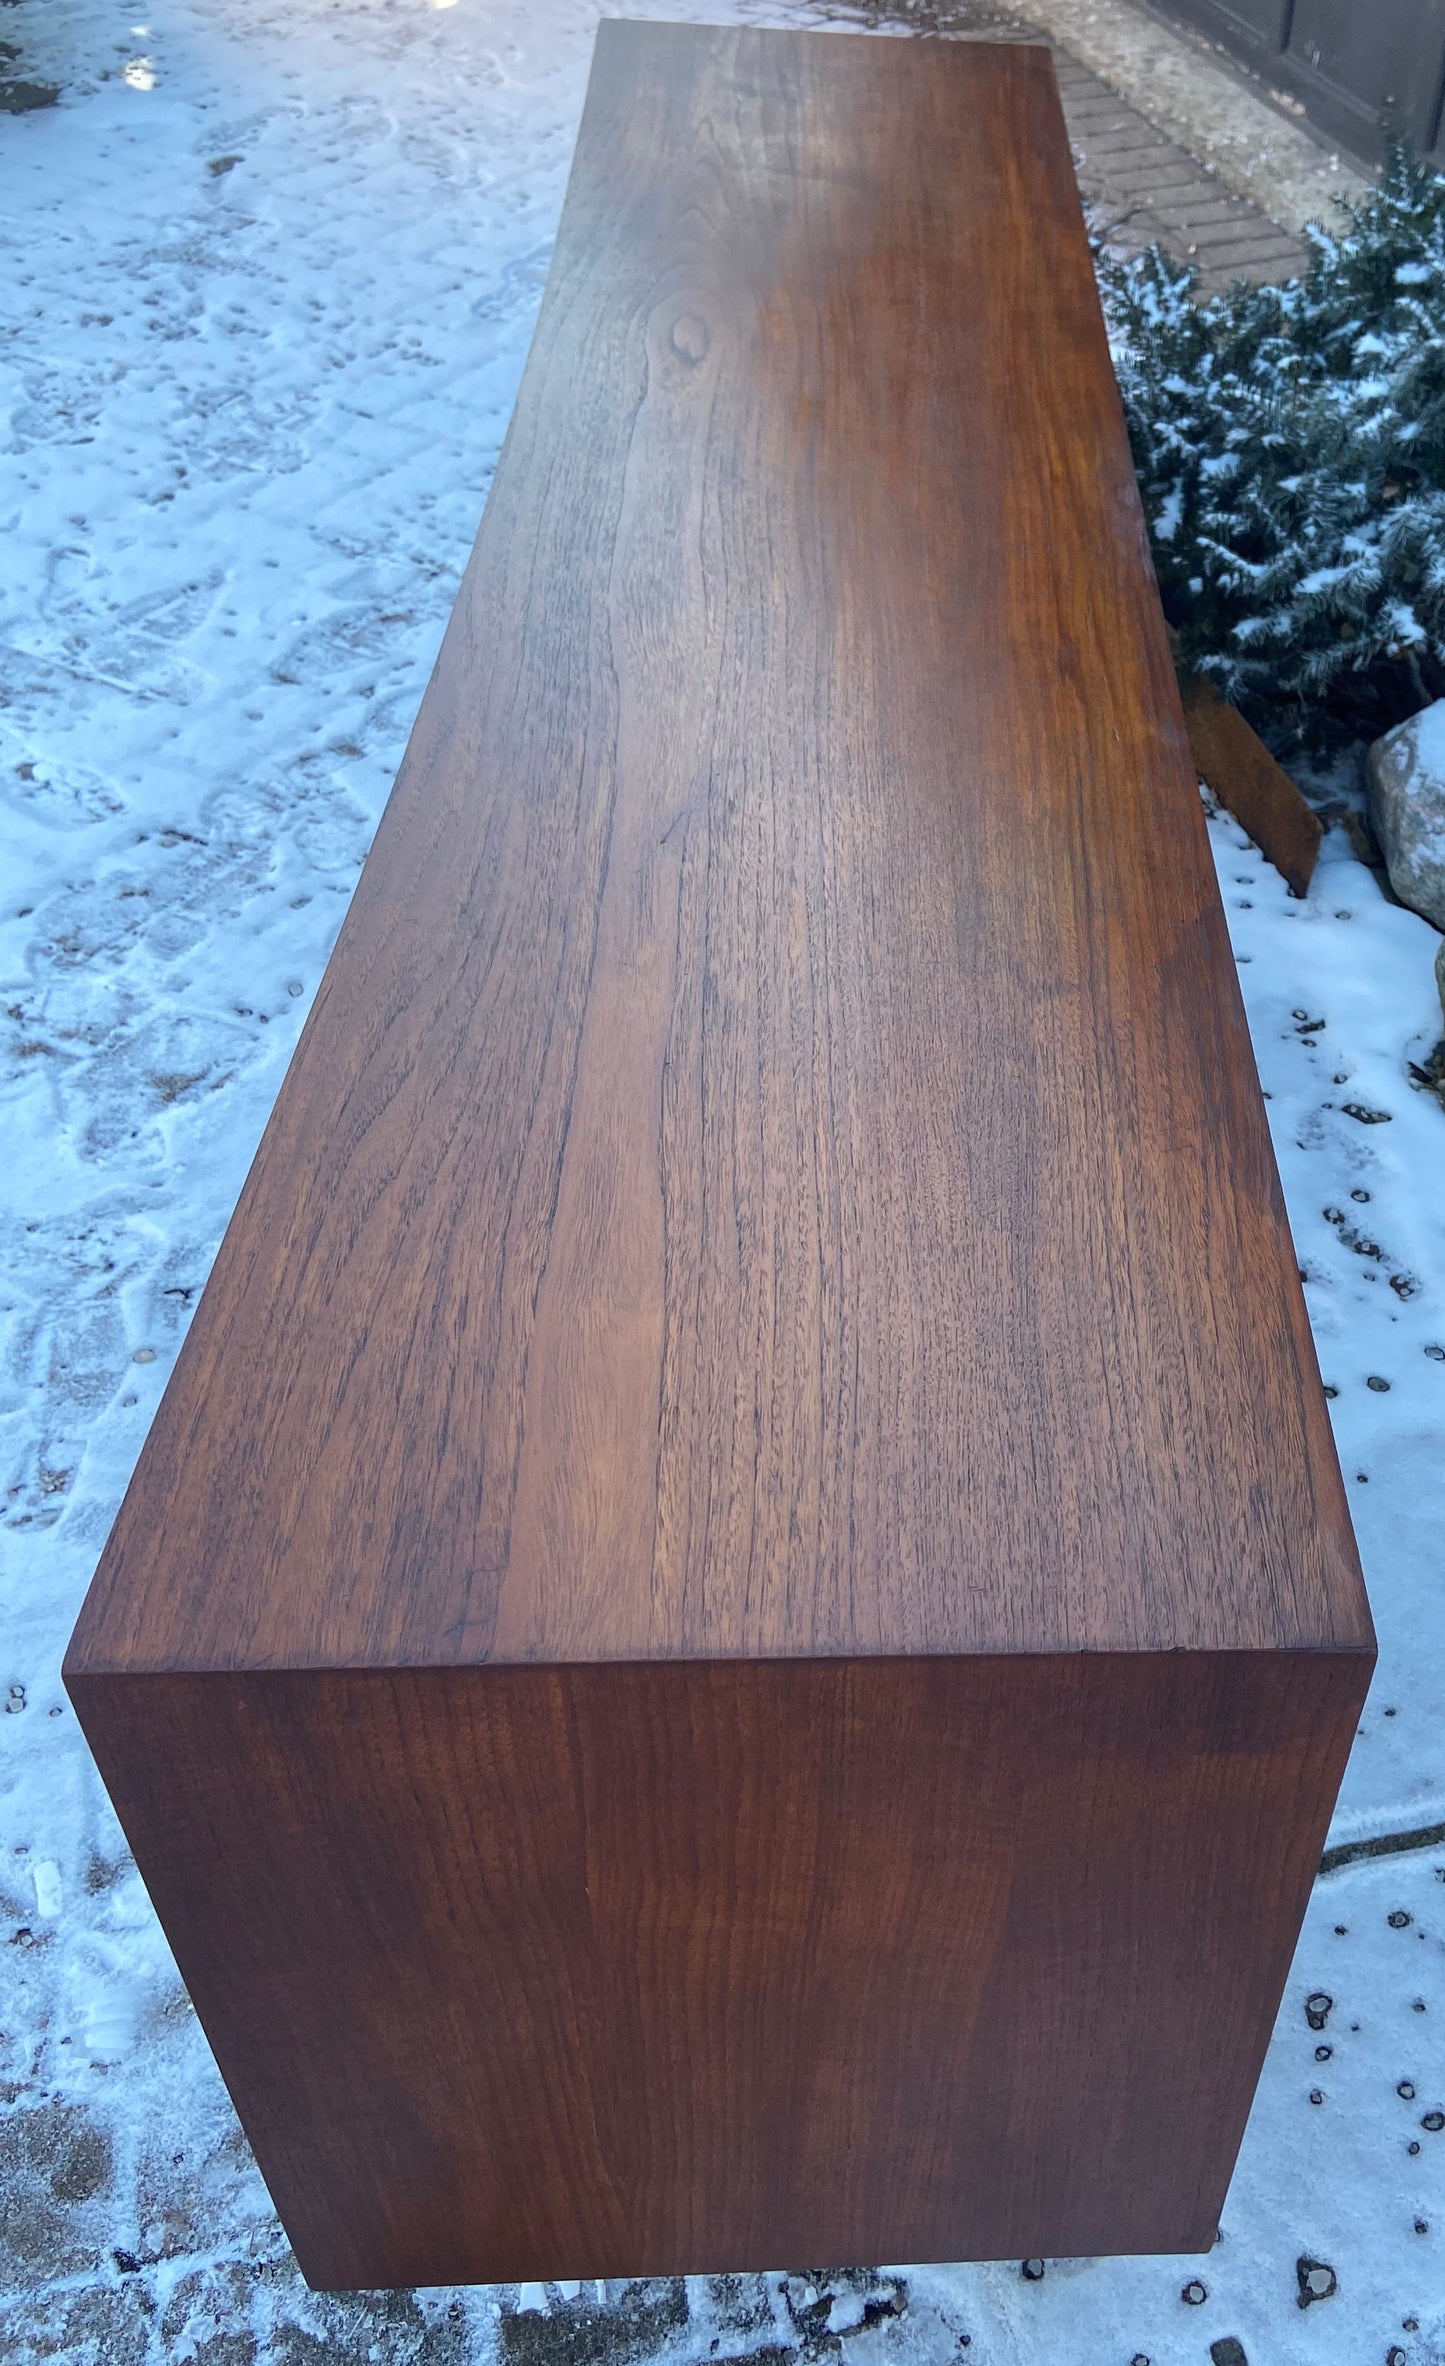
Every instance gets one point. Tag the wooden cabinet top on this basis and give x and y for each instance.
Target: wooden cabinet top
(775, 1165)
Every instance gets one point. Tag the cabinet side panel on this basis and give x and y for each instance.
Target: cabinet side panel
(641, 1970)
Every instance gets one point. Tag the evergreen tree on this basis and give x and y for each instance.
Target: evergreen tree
(1290, 444)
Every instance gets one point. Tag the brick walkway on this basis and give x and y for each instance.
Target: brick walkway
(1139, 184)
(1142, 188)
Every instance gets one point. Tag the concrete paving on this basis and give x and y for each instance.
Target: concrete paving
(1240, 131)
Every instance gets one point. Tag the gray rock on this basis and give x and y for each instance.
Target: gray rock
(1440, 975)
(1317, 2280)
(1406, 783)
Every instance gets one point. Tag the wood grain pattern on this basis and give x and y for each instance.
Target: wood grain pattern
(1233, 759)
(738, 1628)
(616, 1971)
(776, 1163)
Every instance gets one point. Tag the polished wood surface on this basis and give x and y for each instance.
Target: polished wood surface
(775, 1164)
(1234, 761)
(762, 1964)
(736, 1634)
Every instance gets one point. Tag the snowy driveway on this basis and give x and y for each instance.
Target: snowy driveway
(269, 272)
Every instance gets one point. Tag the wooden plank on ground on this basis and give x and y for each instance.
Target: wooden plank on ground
(1236, 765)
(735, 1636)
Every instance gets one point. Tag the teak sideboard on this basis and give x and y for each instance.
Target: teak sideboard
(736, 1634)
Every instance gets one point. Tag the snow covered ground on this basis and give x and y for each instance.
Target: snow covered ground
(269, 270)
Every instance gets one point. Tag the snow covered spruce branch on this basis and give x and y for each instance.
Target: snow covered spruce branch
(1290, 444)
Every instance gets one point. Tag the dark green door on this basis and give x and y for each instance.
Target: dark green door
(1356, 66)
